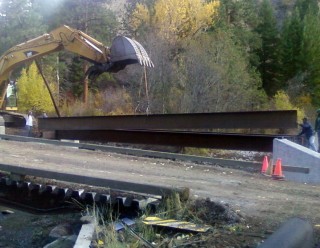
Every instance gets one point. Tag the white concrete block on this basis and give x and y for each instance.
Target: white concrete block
(295, 155)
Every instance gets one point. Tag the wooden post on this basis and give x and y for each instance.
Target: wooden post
(47, 84)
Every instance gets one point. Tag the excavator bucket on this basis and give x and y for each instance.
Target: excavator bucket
(125, 51)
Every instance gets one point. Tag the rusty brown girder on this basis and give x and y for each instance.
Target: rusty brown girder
(175, 129)
(229, 120)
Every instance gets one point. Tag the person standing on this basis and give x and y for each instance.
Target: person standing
(307, 130)
(44, 115)
(317, 128)
(29, 124)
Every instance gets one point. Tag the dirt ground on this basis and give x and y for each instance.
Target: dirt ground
(262, 203)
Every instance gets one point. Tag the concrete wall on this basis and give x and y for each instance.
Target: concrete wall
(299, 163)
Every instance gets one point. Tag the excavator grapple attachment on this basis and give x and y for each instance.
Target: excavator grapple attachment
(127, 51)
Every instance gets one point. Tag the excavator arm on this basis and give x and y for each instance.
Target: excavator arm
(123, 51)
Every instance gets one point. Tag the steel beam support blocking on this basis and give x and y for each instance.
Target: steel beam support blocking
(99, 181)
(263, 143)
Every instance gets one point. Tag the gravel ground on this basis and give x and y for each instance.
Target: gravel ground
(262, 203)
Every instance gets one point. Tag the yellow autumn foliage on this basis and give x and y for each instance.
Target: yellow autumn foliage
(176, 19)
(139, 16)
(282, 102)
(32, 92)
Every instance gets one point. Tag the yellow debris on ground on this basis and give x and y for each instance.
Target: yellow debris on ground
(178, 224)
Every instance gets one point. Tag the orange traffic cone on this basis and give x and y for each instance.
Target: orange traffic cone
(265, 165)
(277, 173)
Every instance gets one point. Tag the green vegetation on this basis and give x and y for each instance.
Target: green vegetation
(199, 219)
(209, 56)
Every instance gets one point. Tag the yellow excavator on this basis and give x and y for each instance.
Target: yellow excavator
(123, 51)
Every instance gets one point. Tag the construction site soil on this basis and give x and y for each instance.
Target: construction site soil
(261, 203)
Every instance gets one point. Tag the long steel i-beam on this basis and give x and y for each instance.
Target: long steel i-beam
(175, 129)
(230, 120)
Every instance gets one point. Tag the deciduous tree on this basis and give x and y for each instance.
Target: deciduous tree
(32, 92)
(220, 78)
(174, 20)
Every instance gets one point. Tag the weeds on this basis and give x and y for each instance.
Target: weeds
(112, 231)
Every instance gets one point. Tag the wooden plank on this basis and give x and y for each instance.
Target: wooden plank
(288, 168)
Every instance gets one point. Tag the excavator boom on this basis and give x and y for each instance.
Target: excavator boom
(123, 51)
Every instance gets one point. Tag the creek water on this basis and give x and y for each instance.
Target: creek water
(19, 229)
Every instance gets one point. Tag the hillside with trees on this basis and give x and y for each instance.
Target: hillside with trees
(209, 56)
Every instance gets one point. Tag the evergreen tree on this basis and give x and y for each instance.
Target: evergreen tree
(241, 19)
(90, 16)
(291, 40)
(306, 6)
(19, 21)
(75, 76)
(269, 54)
(311, 56)
(300, 45)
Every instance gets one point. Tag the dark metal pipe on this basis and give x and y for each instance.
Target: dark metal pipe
(295, 233)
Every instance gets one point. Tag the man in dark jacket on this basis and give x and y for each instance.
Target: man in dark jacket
(308, 133)
(317, 127)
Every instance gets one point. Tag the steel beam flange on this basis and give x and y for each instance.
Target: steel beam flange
(34, 187)
(88, 197)
(46, 189)
(103, 199)
(141, 205)
(23, 185)
(76, 194)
